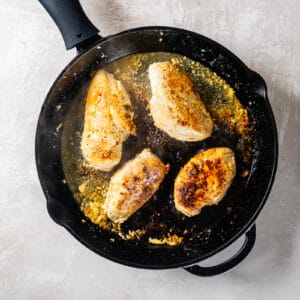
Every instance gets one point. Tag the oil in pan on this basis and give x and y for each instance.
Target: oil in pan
(157, 222)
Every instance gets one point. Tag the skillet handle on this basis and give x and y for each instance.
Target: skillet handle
(75, 27)
(249, 242)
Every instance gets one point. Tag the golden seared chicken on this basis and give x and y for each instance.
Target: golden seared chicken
(133, 185)
(108, 122)
(175, 106)
(204, 180)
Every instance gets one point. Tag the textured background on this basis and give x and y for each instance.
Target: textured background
(40, 260)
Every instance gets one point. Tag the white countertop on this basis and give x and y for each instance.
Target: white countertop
(41, 260)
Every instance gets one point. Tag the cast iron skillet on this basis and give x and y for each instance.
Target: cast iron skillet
(78, 32)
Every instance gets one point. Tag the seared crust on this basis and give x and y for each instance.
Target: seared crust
(133, 185)
(204, 180)
(175, 106)
(108, 122)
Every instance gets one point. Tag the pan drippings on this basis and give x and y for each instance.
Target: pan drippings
(158, 220)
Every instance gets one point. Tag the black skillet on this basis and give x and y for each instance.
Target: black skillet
(249, 199)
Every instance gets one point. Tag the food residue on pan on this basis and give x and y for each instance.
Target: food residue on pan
(58, 127)
(170, 240)
(89, 186)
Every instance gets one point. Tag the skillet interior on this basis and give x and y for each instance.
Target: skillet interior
(219, 227)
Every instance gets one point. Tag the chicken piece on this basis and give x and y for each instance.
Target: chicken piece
(108, 122)
(175, 106)
(204, 180)
(133, 185)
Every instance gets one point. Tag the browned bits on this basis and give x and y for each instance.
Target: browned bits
(245, 173)
(229, 209)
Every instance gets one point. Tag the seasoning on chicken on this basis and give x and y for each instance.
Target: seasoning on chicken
(133, 185)
(204, 180)
(175, 106)
(108, 122)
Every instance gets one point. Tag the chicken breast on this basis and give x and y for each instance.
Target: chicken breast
(133, 185)
(204, 180)
(108, 122)
(175, 106)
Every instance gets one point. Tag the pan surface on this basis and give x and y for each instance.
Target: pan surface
(217, 226)
(158, 221)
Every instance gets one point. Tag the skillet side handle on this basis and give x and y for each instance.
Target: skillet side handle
(75, 27)
(249, 242)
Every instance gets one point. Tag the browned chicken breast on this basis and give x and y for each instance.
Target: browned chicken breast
(175, 106)
(204, 180)
(133, 185)
(108, 122)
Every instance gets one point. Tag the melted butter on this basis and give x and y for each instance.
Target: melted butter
(89, 186)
